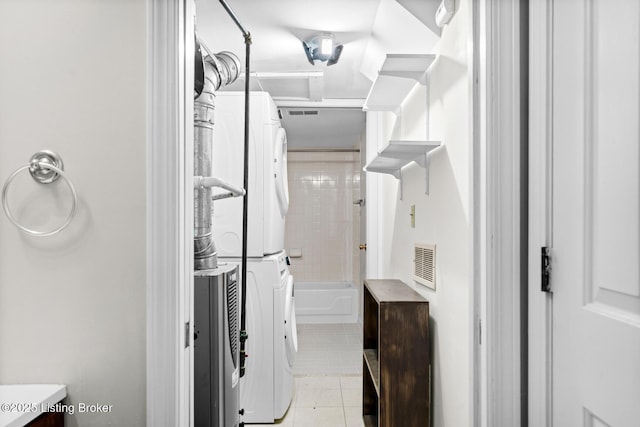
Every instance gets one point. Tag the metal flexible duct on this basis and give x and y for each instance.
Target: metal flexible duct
(220, 70)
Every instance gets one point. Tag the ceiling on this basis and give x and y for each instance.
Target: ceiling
(368, 29)
(325, 128)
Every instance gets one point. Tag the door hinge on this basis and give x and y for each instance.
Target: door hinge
(187, 329)
(545, 270)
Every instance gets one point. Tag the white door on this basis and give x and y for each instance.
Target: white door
(595, 220)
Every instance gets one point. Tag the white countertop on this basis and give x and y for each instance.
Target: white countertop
(22, 403)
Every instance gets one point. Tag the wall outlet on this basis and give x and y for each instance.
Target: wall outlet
(413, 216)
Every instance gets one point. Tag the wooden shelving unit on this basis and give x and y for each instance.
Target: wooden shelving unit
(396, 364)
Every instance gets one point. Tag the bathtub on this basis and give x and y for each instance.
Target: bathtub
(326, 302)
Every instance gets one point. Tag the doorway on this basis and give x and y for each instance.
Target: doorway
(323, 232)
(322, 238)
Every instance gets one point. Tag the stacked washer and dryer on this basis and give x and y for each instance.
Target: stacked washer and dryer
(266, 389)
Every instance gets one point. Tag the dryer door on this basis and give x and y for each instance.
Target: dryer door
(290, 330)
(280, 171)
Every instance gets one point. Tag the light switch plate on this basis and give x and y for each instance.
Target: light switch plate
(413, 216)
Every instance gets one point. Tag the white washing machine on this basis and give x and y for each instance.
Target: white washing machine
(266, 389)
(268, 191)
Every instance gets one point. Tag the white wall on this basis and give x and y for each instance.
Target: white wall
(442, 217)
(72, 306)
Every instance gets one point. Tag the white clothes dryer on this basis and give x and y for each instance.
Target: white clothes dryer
(268, 191)
(266, 389)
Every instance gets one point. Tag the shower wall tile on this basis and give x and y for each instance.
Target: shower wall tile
(323, 221)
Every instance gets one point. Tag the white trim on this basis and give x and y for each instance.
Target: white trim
(497, 214)
(169, 211)
(325, 103)
(477, 405)
(540, 139)
(375, 252)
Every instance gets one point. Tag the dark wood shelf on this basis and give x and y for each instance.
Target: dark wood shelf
(370, 421)
(49, 419)
(371, 359)
(396, 364)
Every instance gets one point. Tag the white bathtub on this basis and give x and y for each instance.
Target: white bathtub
(326, 302)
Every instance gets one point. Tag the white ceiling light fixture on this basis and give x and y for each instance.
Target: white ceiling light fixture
(322, 48)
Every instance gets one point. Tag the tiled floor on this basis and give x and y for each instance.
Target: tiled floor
(325, 401)
(328, 377)
(329, 349)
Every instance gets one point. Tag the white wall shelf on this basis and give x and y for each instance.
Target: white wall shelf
(397, 77)
(425, 11)
(399, 153)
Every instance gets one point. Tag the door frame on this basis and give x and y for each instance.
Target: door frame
(496, 223)
(169, 104)
(499, 219)
(540, 178)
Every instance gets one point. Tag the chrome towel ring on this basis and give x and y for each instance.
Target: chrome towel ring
(45, 167)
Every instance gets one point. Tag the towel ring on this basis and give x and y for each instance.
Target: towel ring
(45, 167)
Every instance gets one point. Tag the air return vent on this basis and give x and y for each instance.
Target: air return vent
(303, 112)
(424, 271)
(232, 319)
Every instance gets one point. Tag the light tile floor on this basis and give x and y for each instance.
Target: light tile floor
(324, 401)
(328, 378)
(329, 349)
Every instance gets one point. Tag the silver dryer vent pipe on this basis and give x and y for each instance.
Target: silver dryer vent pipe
(220, 69)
